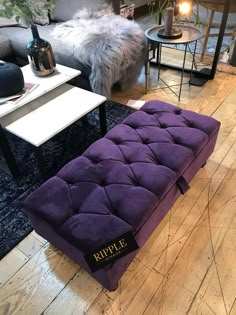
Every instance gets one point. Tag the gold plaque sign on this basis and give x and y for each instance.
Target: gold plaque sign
(111, 251)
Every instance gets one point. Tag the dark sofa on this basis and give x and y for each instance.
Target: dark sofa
(13, 38)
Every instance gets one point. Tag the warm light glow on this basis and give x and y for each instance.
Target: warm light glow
(184, 8)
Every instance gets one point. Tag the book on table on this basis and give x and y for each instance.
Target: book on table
(16, 98)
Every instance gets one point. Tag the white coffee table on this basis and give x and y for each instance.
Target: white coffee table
(56, 111)
(10, 112)
(47, 115)
(59, 109)
(61, 75)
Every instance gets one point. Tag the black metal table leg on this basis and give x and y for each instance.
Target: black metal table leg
(7, 153)
(193, 62)
(182, 74)
(41, 162)
(84, 121)
(159, 52)
(102, 118)
(190, 34)
(147, 69)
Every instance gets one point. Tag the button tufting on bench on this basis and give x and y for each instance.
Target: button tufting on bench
(177, 111)
(123, 179)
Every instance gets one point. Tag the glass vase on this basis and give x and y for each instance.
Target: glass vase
(40, 54)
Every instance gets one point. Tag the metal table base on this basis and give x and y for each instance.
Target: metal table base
(190, 34)
(147, 71)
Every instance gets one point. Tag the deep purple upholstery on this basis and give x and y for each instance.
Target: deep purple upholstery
(125, 181)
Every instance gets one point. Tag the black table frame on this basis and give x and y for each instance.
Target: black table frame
(11, 161)
(207, 74)
(7, 153)
(159, 51)
(155, 44)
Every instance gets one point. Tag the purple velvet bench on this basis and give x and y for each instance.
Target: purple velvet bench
(126, 181)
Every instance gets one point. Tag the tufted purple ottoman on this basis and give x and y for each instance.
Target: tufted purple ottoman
(124, 182)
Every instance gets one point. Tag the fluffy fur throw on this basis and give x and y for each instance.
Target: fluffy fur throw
(112, 46)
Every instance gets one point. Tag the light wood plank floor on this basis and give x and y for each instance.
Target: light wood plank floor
(188, 266)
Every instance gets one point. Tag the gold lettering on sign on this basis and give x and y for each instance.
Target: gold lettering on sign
(105, 251)
(111, 247)
(110, 250)
(117, 248)
(96, 255)
(123, 243)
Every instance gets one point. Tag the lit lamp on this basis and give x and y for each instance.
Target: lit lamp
(182, 7)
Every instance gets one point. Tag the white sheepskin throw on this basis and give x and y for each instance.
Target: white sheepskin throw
(112, 46)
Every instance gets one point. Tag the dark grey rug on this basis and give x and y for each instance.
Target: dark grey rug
(14, 224)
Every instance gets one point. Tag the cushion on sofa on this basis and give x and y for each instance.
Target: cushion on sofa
(19, 37)
(65, 10)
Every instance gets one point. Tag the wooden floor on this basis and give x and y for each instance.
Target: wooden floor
(188, 266)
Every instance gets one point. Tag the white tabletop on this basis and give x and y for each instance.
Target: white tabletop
(61, 75)
(67, 105)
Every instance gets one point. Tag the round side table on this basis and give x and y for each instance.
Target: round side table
(190, 34)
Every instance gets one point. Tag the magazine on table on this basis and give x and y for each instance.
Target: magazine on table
(16, 98)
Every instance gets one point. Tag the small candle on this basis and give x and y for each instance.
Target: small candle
(169, 20)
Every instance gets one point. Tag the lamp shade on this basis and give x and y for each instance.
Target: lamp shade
(11, 79)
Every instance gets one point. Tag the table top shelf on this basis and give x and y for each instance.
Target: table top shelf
(61, 75)
(66, 105)
(190, 34)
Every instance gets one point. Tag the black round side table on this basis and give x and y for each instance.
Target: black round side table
(190, 34)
